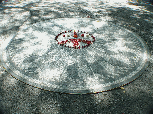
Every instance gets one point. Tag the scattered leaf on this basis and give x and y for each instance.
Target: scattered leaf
(122, 87)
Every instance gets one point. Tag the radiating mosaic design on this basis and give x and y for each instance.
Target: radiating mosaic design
(116, 57)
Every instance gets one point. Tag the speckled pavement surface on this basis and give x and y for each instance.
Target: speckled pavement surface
(135, 98)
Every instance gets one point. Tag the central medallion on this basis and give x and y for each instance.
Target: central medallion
(75, 39)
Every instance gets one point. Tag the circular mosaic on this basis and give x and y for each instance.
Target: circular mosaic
(55, 56)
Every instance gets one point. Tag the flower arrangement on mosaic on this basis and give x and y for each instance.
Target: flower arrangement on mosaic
(73, 39)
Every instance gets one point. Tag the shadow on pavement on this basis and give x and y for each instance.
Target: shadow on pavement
(17, 97)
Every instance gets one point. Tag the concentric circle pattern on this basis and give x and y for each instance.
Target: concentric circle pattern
(116, 57)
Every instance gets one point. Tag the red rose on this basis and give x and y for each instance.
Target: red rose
(75, 36)
(82, 35)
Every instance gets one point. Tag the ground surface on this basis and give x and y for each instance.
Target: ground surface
(135, 98)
